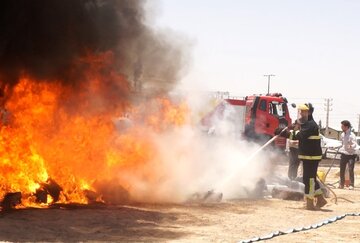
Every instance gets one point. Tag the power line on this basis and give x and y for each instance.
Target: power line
(327, 109)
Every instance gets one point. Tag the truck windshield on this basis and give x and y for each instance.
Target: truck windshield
(277, 109)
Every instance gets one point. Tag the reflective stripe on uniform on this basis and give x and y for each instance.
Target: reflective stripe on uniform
(312, 187)
(293, 134)
(314, 137)
(318, 192)
(312, 192)
(291, 137)
(317, 157)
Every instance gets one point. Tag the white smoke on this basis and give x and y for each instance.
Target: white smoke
(194, 161)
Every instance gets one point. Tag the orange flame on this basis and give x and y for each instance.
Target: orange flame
(47, 139)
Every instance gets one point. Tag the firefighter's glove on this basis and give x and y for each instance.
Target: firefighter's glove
(277, 131)
(282, 132)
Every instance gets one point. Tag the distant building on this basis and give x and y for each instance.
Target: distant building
(333, 133)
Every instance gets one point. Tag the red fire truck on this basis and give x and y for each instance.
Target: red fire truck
(255, 117)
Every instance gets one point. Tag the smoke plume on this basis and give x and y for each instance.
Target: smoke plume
(53, 40)
(92, 53)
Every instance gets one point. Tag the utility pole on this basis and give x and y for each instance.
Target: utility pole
(268, 76)
(327, 109)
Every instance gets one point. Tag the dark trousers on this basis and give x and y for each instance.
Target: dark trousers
(293, 163)
(312, 185)
(350, 160)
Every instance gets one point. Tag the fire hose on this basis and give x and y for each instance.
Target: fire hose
(254, 154)
(332, 163)
(265, 145)
(304, 228)
(327, 185)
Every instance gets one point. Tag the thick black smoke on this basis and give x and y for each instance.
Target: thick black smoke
(44, 38)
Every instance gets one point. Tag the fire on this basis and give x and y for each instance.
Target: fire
(168, 115)
(50, 145)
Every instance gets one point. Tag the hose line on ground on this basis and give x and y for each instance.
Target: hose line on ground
(327, 187)
(294, 230)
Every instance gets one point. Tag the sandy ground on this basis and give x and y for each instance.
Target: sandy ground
(229, 221)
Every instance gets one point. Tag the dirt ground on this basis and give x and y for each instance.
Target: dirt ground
(228, 221)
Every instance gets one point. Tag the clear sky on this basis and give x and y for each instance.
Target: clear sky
(312, 46)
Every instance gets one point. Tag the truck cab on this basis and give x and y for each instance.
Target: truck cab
(255, 117)
(264, 114)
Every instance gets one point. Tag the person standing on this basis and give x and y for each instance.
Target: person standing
(294, 161)
(310, 153)
(348, 154)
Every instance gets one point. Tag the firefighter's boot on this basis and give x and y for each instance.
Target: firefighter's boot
(320, 201)
(310, 204)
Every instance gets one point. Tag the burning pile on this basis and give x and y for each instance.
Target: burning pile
(67, 69)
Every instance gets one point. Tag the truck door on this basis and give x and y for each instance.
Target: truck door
(260, 120)
(277, 115)
(266, 121)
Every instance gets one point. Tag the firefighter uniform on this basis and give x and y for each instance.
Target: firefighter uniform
(293, 155)
(310, 153)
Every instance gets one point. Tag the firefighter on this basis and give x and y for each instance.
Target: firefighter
(294, 161)
(310, 154)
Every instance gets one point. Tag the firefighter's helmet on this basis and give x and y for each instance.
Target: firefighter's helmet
(306, 107)
(303, 107)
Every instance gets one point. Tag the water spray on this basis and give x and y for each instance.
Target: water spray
(251, 157)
